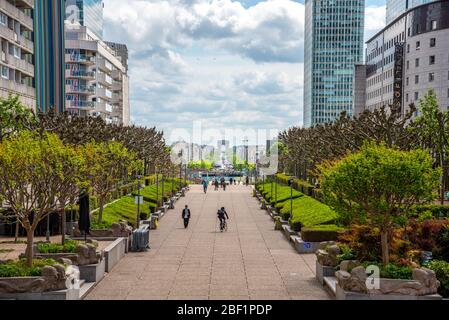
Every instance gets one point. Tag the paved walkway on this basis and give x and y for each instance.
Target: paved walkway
(250, 261)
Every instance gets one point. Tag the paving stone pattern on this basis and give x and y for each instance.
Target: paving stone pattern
(251, 261)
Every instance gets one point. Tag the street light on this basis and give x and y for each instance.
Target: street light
(138, 200)
(290, 182)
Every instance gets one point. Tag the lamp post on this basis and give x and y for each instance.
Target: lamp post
(138, 200)
(290, 182)
(157, 189)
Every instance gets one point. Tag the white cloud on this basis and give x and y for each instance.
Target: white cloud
(374, 20)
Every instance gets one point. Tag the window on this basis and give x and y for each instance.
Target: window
(408, 64)
(406, 97)
(5, 72)
(17, 52)
(416, 79)
(408, 48)
(433, 24)
(433, 42)
(432, 60)
(431, 77)
(3, 19)
(407, 81)
(416, 96)
(418, 45)
(417, 62)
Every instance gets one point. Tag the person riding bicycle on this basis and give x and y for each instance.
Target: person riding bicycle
(222, 216)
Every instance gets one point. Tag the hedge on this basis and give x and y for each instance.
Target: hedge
(283, 192)
(307, 212)
(438, 211)
(321, 233)
(298, 184)
(441, 269)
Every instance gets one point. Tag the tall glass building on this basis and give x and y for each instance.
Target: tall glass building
(333, 47)
(88, 13)
(49, 55)
(397, 7)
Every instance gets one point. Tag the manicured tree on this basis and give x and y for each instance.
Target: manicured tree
(381, 183)
(14, 116)
(106, 164)
(29, 167)
(433, 128)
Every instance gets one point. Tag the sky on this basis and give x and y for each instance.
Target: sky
(226, 63)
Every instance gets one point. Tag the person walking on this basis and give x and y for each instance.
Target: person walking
(186, 216)
(204, 183)
(223, 183)
(216, 184)
(230, 181)
(247, 180)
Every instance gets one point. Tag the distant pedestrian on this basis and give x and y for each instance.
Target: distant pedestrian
(186, 216)
(247, 180)
(204, 183)
(230, 181)
(216, 184)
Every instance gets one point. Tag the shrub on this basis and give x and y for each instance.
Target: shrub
(392, 271)
(430, 235)
(441, 269)
(438, 211)
(68, 247)
(364, 240)
(19, 268)
(346, 253)
(321, 233)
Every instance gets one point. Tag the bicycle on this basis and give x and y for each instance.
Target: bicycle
(223, 225)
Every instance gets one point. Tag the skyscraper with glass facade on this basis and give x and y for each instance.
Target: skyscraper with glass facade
(397, 7)
(333, 47)
(88, 13)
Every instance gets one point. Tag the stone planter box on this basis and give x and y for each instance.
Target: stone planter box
(348, 295)
(68, 294)
(323, 271)
(306, 247)
(284, 222)
(114, 253)
(288, 231)
(93, 272)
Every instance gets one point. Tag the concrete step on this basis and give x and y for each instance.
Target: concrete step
(85, 288)
(331, 284)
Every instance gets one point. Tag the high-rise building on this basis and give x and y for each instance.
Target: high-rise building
(333, 46)
(97, 81)
(88, 13)
(395, 8)
(16, 51)
(409, 57)
(49, 56)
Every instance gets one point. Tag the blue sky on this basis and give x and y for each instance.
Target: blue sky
(230, 64)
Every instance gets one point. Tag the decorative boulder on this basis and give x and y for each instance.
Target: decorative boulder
(87, 254)
(277, 223)
(354, 281)
(347, 265)
(327, 254)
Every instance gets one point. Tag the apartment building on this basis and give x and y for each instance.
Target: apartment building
(16, 50)
(409, 57)
(97, 81)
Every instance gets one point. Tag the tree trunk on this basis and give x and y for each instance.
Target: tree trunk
(385, 246)
(29, 249)
(100, 211)
(63, 226)
(16, 235)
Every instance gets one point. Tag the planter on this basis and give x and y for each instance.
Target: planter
(323, 271)
(288, 231)
(302, 246)
(114, 253)
(93, 272)
(354, 286)
(68, 294)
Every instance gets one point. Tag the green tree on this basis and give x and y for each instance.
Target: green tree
(433, 128)
(31, 168)
(107, 164)
(380, 182)
(13, 116)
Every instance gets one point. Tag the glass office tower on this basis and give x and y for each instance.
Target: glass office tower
(49, 55)
(88, 13)
(333, 47)
(397, 7)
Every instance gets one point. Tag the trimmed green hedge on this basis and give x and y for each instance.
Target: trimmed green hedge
(321, 233)
(298, 184)
(438, 211)
(283, 192)
(307, 212)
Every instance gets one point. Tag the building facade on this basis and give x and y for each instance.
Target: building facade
(97, 82)
(395, 8)
(409, 57)
(49, 55)
(88, 13)
(333, 46)
(16, 50)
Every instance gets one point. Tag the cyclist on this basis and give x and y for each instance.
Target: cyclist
(222, 216)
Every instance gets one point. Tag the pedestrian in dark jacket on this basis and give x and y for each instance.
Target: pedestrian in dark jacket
(186, 216)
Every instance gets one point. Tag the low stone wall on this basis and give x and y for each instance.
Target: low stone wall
(349, 295)
(114, 253)
(93, 272)
(323, 271)
(69, 294)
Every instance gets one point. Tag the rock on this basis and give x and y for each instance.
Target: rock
(65, 261)
(277, 224)
(87, 254)
(354, 281)
(324, 245)
(329, 256)
(428, 279)
(347, 265)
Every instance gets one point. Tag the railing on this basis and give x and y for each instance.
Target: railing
(80, 58)
(80, 89)
(17, 14)
(80, 74)
(15, 87)
(81, 104)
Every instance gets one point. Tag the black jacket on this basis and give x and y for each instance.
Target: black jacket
(188, 213)
(222, 213)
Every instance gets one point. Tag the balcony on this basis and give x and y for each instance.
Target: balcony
(104, 65)
(117, 98)
(117, 86)
(80, 74)
(80, 104)
(87, 90)
(116, 75)
(17, 39)
(104, 79)
(16, 88)
(17, 14)
(82, 59)
(104, 93)
(104, 107)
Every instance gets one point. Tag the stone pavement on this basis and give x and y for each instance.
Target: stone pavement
(250, 261)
